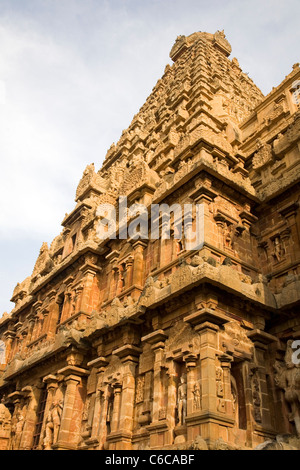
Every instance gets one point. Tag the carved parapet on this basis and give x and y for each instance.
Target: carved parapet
(262, 157)
(90, 182)
(44, 263)
(284, 142)
(186, 276)
(221, 43)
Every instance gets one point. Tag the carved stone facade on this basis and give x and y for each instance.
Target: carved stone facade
(143, 343)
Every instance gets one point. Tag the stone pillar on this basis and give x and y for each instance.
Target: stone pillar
(261, 341)
(190, 361)
(36, 328)
(226, 366)
(138, 264)
(54, 317)
(116, 409)
(246, 380)
(89, 271)
(18, 418)
(120, 283)
(9, 336)
(158, 427)
(30, 329)
(109, 280)
(113, 288)
(157, 339)
(69, 433)
(51, 384)
(129, 277)
(129, 355)
(103, 404)
(32, 394)
(45, 324)
(128, 395)
(172, 400)
(158, 349)
(78, 298)
(98, 428)
(208, 347)
(110, 287)
(208, 421)
(66, 306)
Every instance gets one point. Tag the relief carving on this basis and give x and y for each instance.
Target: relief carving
(139, 398)
(287, 377)
(197, 396)
(53, 424)
(5, 427)
(90, 180)
(263, 156)
(17, 425)
(182, 400)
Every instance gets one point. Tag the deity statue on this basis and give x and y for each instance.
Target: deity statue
(181, 403)
(287, 377)
(197, 396)
(18, 421)
(53, 424)
(5, 423)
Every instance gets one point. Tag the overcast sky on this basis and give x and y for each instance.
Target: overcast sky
(72, 75)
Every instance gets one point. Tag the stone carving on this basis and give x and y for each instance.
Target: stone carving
(278, 248)
(181, 400)
(219, 379)
(17, 424)
(221, 41)
(5, 427)
(256, 395)
(281, 442)
(115, 323)
(284, 141)
(44, 263)
(197, 396)
(234, 398)
(162, 414)
(110, 408)
(139, 397)
(263, 156)
(53, 424)
(85, 413)
(287, 377)
(90, 180)
(277, 110)
(179, 43)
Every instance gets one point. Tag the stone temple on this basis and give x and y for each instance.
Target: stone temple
(143, 343)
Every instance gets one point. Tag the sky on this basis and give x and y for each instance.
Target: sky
(73, 73)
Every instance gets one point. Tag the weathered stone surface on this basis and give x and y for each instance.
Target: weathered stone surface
(144, 342)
